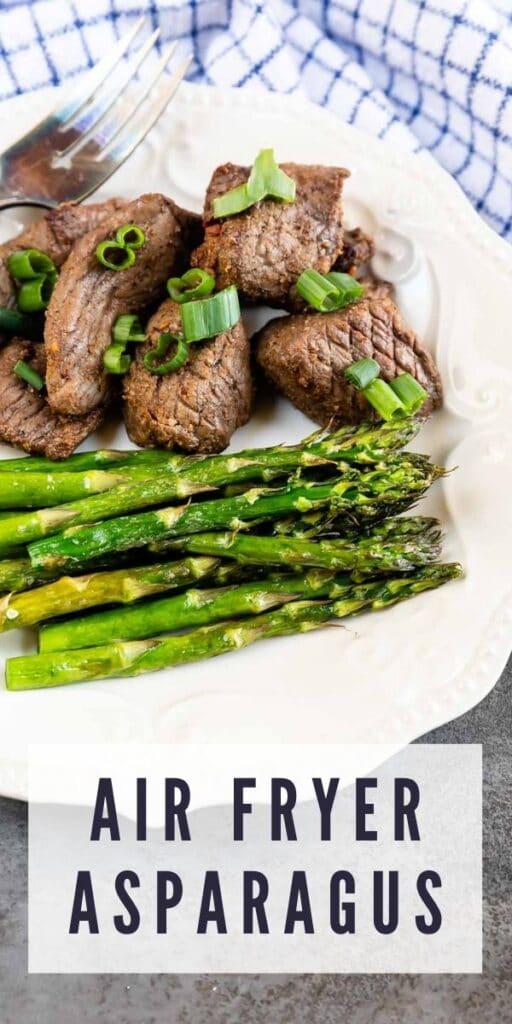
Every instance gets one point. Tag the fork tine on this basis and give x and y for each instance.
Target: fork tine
(85, 90)
(119, 143)
(95, 112)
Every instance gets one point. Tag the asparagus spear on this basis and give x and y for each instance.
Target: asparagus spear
(194, 607)
(40, 490)
(76, 593)
(196, 475)
(405, 476)
(19, 574)
(199, 607)
(103, 458)
(130, 658)
(398, 546)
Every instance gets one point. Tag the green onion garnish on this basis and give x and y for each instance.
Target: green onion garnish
(115, 359)
(193, 284)
(266, 180)
(29, 263)
(130, 236)
(208, 317)
(35, 294)
(13, 322)
(235, 201)
(384, 400)
(26, 373)
(151, 359)
(128, 328)
(326, 292)
(362, 373)
(403, 396)
(114, 256)
(411, 394)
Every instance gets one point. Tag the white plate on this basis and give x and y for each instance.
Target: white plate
(385, 677)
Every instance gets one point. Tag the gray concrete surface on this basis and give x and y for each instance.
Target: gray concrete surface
(276, 999)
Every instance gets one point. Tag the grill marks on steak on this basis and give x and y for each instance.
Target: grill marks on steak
(264, 249)
(202, 404)
(54, 234)
(304, 356)
(26, 419)
(88, 298)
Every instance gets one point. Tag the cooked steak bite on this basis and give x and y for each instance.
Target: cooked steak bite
(88, 298)
(358, 249)
(54, 234)
(198, 407)
(26, 419)
(264, 249)
(304, 356)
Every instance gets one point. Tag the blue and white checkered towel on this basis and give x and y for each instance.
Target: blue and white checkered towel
(423, 73)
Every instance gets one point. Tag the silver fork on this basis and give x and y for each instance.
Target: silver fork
(77, 147)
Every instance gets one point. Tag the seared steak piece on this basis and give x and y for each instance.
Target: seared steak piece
(198, 407)
(54, 234)
(26, 419)
(88, 298)
(304, 356)
(264, 249)
(358, 249)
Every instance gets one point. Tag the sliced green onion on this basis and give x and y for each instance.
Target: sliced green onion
(151, 359)
(411, 394)
(26, 373)
(14, 322)
(26, 264)
(317, 290)
(128, 328)
(265, 180)
(326, 292)
(235, 201)
(131, 236)
(349, 288)
(34, 295)
(384, 400)
(208, 317)
(192, 285)
(361, 373)
(115, 359)
(114, 256)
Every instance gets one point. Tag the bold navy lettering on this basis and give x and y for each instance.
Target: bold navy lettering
(240, 807)
(325, 801)
(124, 879)
(299, 906)
(142, 809)
(436, 918)
(382, 926)
(284, 798)
(363, 809)
(83, 894)
(405, 809)
(176, 809)
(343, 914)
(254, 902)
(166, 900)
(211, 894)
(105, 814)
